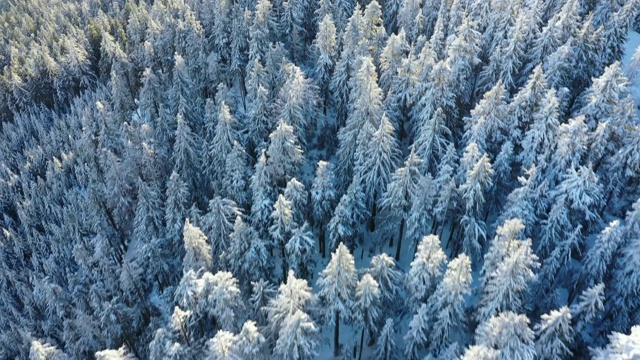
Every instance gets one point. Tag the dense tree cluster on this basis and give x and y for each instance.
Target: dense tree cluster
(199, 179)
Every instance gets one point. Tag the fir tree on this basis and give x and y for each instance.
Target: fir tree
(284, 153)
(386, 343)
(509, 333)
(367, 307)
(425, 271)
(401, 191)
(554, 335)
(337, 284)
(323, 197)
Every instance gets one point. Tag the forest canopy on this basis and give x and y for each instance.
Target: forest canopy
(295, 179)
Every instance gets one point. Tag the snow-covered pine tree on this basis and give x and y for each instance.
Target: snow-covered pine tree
(589, 305)
(337, 283)
(293, 295)
(375, 164)
(417, 336)
(323, 197)
(396, 201)
(421, 219)
(485, 126)
(221, 346)
(367, 308)
(284, 154)
(365, 98)
(620, 346)
(299, 250)
(599, 258)
(478, 180)
(350, 212)
(325, 47)
(281, 224)
(250, 344)
(197, 250)
(385, 272)
(446, 305)
(509, 333)
(425, 271)
(386, 343)
(295, 192)
(507, 271)
(236, 175)
(297, 338)
(538, 140)
(554, 335)
(263, 195)
(296, 103)
(218, 222)
(221, 145)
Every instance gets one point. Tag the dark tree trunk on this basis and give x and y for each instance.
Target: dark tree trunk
(400, 239)
(374, 212)
(336, 336)
(321, 240)
(361, 344)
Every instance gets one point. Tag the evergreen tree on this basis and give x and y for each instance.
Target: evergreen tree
(446, 305)
(401, 191)
(298, 196)
(350, 212)
(507, 271)
(425, 271)
(471, 192)
(508, 333)
(294, 295)
(365, 116)
(620, 346)
(284, 154)
(599, 258)
(416, 337)
(538, 140)
(299, 249)
(281, 223)
(221, 346)
(325, 47)
(554, 335)
(297, 338)
(185, 152)
(590, 304)
(386, 343)
(323, 197)
(236, 174)
(367, 307)
(384, 271)
(337, 284)
(250, 344)
(376, 163)
(198, 251)
(226, 133)
(486, 126)
(217, 223)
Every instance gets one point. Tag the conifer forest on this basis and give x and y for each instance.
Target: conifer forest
(320, 179)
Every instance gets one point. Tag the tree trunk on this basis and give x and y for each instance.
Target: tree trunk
(374, 212)
(400, 239)
(321, 240)
(336, 336)
(361, 344)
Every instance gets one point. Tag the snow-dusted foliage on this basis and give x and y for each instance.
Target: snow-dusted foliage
(175, 173)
